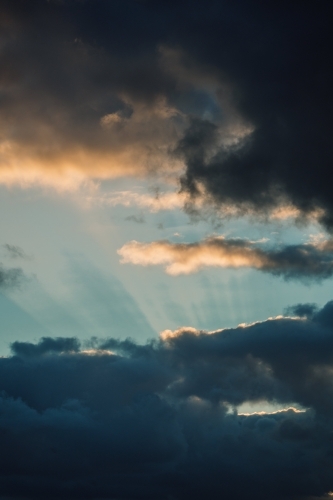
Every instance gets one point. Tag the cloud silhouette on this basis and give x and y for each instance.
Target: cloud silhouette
(114, 419)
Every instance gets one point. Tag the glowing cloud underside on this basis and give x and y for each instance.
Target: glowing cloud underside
(310, 260)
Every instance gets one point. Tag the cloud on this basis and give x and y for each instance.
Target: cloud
(114, 419)
(15, 252)
(198, 207)
(207, 92)
(308, 261)
(11, 278)
(76, 107)
(302, 310)
(45, 346)
(138, 219)
(152, 202)
(287, 155)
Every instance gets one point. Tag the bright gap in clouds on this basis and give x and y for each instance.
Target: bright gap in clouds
(264, 408)
(81, 240)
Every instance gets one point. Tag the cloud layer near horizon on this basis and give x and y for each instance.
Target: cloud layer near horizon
(119, 420)
(308, 261)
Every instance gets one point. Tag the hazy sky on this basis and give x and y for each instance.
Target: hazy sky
(166, 250)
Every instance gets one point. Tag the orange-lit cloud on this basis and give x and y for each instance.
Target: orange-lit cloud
(304, 261)
(180, 258)
(73, 112)
(60, 156)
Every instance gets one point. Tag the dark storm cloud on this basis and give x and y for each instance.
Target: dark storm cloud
(106, 87)
(128, 421)
(276, 58)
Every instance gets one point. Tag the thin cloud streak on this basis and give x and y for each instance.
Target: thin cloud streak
(308, 261)
(154, 203)
(202, 205)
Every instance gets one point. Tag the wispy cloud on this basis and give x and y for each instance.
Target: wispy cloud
(152, 202)
(11, 278)
(138, 219)
(15, 252)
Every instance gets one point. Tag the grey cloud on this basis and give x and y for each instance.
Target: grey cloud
(302, 310)
(114, 419)
(45, 346)
(15, 252)
(11, 278)
(139, 219)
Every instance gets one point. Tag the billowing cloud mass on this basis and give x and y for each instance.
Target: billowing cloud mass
(114, 419)
(234, 97)
(304, 261)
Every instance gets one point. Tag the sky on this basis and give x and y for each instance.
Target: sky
(166, 250)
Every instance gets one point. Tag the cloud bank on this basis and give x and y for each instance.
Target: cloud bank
(308, 261)
(114, 419)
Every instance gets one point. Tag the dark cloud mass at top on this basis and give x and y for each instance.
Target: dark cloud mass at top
(128, 421)
(96, 84)
(276, 57)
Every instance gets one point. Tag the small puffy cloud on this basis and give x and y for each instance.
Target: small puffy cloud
(308, 261)
(302, 310)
